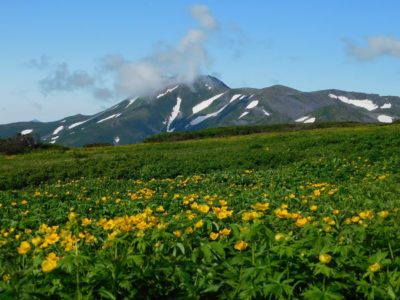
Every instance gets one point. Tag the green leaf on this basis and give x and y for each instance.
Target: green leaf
(106, 294)
(218, 248)
(181, 247)
(212, 288)
(206, 252)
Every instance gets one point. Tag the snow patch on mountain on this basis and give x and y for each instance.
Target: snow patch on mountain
(302, 119)
(109, 117)
(26, 131)
(131, 101)
(306, 119)
(234, 97)
(174, 113)
(386, 105)
(243, 114)
(385, 119)
(167, 92)
(206, 103)
(252, 104)
(265, 112)
(77, 124)
(200, 119)
(58, 129)
(365, 103)
(310, 120)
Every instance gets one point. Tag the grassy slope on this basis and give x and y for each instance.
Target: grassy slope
(323, 147)
(360, 163)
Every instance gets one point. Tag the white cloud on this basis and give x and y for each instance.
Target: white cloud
(118, 76)
(61, 78)
(203, 15)
(375, 47)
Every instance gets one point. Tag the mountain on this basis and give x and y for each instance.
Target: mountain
(208, 102)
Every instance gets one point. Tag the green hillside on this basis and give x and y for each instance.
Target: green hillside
(287, 214)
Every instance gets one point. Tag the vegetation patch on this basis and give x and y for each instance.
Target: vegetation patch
(284, 215)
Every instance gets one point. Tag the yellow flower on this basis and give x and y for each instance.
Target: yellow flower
(51, 238)
(336, 212)
(325, 258)
(374, 267)
(240, 245)
(36, 240)
(261, 206)
(161, 226)
(279, 237)
(250, 215)
(214, 235)
(281, 213)
(24, 247)
(222, 213)
(383, 214)
(313, 207)
(6, 278)
(160, 209)
(225, 231)
(86, 221)
(189, 230)
(142, 226)
(50, 263)
(301, 222)
(111, 236)
(366, 214)
(223, 202)
(72, 216)
(199, 224)
(317, 193)
(204, 208)
(329, 221)
(177, 233)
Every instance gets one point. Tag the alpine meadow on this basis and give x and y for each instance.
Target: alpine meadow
(310, 214)
(200, 150)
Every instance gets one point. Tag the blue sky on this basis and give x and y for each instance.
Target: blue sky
(308, 45)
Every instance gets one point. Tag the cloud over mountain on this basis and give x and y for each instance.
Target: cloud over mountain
(168, 64)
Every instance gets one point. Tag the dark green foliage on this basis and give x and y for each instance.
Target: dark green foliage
(97, 145)
(19, 144)
(240, 130)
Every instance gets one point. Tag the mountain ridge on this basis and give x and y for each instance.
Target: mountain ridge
(208, 102)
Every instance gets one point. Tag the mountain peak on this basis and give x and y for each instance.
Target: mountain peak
(211, 81)
(281, 88)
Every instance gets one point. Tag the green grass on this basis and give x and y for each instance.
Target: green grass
(162, 160)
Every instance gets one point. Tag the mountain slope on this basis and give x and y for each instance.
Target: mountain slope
(206, 103)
